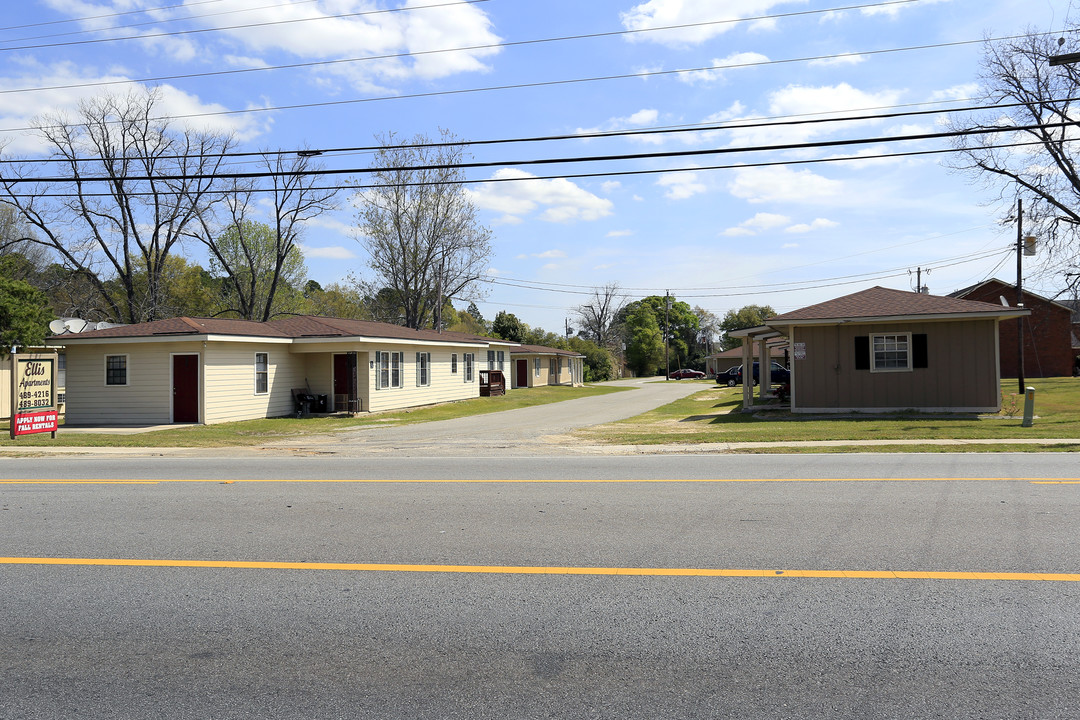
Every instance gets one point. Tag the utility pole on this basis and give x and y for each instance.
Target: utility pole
(1020, 293)
(667, 331)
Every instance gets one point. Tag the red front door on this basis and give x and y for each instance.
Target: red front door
(523, 373)
(185, 389)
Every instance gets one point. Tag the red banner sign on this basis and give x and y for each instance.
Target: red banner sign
(35, 422)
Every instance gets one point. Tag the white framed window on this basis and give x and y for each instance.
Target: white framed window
(502, 360)
(262, 373)
(453, 363)
(536, 367)
(890, 352)
(491, 360)
(423, 369)
(470, 362)
(389, 375)
(116, 370)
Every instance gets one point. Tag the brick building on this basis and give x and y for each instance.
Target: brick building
(1048, 331)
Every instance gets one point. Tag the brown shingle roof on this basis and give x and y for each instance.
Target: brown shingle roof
(542, 350)
(180, 326)
(879, 302)
(304, 326)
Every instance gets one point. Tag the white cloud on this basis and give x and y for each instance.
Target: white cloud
(780, 184)
(844, 59)
(817, 224)
(641, 119)
(76, 84)
(619, 233)
(789, 246)
(610, 186)
(720, 65)
(563, 201)
(335, 252)
(709, 15)
(681, 185)
(550, 254)
(757, 224)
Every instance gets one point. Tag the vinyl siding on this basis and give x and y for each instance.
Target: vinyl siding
(961, 372)
(444, 387)
(145, 400)
(229, 381)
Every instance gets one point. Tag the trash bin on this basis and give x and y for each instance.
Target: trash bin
(322, 404)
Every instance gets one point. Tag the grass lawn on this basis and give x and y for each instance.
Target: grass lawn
(264, 431)
(714, 416)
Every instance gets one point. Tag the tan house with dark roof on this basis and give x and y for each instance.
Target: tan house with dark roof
(536, 365)
(883, 350)
(211, 370)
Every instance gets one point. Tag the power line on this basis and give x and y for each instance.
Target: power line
(568, 176)
(753, 289)
(197, 31)
(745, 124)
(160, 21)
(525, 86)
(418, 53)
(109, 15)
(669, 154)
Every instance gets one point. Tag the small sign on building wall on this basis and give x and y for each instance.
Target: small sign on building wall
(33, 393)
(800, 351)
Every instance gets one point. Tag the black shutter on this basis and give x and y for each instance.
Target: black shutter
(862, 352)
(918, 351)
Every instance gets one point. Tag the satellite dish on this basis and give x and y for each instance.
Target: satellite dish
(57, 327)
(89, 326)
(75, 325)
(106, 325)
(1003, 300)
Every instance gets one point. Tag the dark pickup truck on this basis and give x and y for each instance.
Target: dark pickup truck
(779, 375)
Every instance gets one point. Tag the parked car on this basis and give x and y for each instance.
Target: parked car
(686, 373)
(779, 375)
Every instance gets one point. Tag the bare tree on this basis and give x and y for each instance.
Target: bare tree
(420, 228)
(125, 190)
(597, 316)
(255, 257)
(1033, 153)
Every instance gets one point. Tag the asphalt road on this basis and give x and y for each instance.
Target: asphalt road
(521, 587)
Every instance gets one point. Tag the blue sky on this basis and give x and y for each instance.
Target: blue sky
(782, 234)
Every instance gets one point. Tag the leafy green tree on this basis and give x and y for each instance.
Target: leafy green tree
(24, 314)
(599, 363)
(335, 300)
(508, 327)
(477, 316)
(256, 278)
(644, 339)
(680, 321)
(747, 316)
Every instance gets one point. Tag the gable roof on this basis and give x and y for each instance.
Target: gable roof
(542, 350)
(878, 303)
(995, 282)
(290, 328)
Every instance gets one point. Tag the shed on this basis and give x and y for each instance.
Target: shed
(883, 350)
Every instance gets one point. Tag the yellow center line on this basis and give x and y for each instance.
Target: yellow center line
(80, 482)
(526, 481)
(550, 570)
